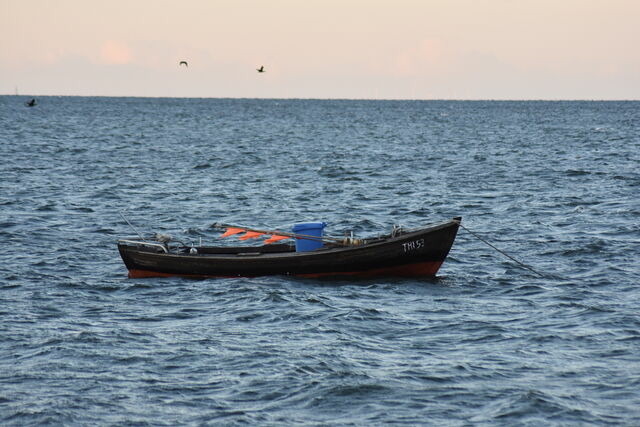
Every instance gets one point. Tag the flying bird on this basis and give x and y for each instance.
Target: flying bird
(261, 69)
(183, 63)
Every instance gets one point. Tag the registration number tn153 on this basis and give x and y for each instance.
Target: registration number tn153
(413, 245)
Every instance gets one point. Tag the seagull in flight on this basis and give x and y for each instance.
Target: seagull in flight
(261, 69)
(184, 63)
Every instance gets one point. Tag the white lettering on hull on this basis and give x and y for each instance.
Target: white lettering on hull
(414, 245)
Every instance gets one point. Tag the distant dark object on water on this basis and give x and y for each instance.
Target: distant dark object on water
(184, 63)
(31, 103)
(261, 69)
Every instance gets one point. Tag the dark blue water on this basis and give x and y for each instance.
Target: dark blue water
(554, 184)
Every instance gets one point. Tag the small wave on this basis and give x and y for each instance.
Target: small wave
(533, 406)
(83, 209)
(577, 172)
(48, 207)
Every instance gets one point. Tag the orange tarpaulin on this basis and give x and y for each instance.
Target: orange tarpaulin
(231, 231)
(251, 235)
(275, 238)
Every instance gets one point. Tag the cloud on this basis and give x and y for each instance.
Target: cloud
(429, 56)
(115, 53)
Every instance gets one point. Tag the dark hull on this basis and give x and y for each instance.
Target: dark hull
(415, 254)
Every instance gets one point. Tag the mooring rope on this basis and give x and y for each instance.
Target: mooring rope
(503, 252)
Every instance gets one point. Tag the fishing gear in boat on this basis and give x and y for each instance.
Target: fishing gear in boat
(163, 239)
(277, 235)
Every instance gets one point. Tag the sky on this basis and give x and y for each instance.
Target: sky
(336, 49)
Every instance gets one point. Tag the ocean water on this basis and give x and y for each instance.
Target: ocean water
(556, 185)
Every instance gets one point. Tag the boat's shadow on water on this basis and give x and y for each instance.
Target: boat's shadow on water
(305, 284)
(337, 281)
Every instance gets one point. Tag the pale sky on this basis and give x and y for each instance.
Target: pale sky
(362, 49)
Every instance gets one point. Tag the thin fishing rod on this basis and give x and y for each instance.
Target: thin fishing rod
(132, 227)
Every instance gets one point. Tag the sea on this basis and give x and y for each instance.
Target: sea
(546, 336)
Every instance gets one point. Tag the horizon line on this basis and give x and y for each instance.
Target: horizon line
(333, 99)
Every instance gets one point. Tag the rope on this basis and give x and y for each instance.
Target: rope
(503, 252)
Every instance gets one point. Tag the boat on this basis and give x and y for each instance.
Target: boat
(401, 253)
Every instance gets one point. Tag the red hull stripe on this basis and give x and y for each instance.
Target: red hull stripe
(422, 269)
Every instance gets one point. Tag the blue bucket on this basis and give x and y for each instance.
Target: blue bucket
(310, 229)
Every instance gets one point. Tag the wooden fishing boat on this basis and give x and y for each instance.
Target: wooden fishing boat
(403, 253)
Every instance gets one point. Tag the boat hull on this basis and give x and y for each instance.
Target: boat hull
(415, 254)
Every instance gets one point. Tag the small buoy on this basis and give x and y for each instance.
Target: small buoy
(193, 251)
